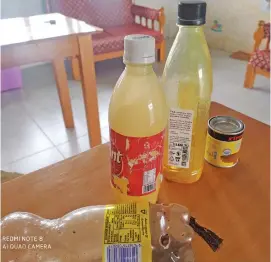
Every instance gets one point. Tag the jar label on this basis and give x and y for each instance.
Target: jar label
(180, 125)
(222, 153)
(136, 163)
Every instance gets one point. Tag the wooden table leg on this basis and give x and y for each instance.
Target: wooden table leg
(63, 92)
(75, 69)
(88, 79)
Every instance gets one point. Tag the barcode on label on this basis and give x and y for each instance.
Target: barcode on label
(180, 129)
(148, 188)
(179, 155)
(183, 164)
(123, 253)
(149, 179)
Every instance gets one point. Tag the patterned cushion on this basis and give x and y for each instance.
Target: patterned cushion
(266, 29)
(261, 59)
(112, 13)
(101, 13)
(112, 39)
(134, 29)
(107, 43)
(100, 35)
(141, 11)
(75, 9)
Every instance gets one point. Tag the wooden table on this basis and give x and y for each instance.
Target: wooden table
(54, 37)
(232, 202)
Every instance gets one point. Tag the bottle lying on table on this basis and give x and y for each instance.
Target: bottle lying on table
(137, 232)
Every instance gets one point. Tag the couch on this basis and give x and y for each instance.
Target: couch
(118, 18)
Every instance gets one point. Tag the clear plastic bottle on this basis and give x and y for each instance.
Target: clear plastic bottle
(79, 235)
(187, 81)
(137, 121)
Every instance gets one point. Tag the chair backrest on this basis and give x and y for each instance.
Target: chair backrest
(263, 32)
(102, 13)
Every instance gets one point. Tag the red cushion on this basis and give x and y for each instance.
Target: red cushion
(134, 29)
(261, 59)
(266, 29)
(112, 39)
(81, 10)
(111, 12)
(106, 43)
(97, 12)
(101, 35)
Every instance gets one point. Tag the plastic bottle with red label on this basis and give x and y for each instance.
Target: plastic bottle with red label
(137, 119)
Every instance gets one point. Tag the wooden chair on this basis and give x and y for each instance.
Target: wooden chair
(118, 18)
(259, 62)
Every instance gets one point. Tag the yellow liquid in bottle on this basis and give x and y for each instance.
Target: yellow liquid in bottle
(138, 109)
(187, 81)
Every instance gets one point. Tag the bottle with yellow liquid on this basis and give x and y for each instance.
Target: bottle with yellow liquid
(187, 81)
(137, 120)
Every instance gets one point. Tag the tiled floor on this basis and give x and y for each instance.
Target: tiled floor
(33, 133)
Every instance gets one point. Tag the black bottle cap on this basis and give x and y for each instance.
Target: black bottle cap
(191, 13)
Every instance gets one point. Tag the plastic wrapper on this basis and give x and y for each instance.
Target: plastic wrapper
(78, 236)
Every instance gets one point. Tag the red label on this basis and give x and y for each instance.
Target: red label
(136, 162)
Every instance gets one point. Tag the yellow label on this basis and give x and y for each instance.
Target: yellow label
(127, 235)
(222, 153)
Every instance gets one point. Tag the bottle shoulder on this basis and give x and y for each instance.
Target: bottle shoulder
(188, 61)
(136, 89)
(189, 50)
(138, 107)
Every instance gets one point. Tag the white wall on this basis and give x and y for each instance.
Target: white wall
(15, 8)
(239, 19)
(171, 7)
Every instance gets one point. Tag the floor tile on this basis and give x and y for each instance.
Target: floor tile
(20, 135)
(78, 108)
(59, 134)
(78, 146)
(75, 89)
(74, 147)
(104, 140)
(105, 133)
(229, 75)
(46, 116)
(104, 119)
(35, 162)
(12, 97)
(14, 120)
(22, 141)
(44, 108)
(103, 103)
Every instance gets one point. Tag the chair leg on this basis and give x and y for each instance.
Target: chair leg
(250, 76)
(75, 69)
(162, 52)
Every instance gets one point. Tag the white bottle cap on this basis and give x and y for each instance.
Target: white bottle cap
(139, 49)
